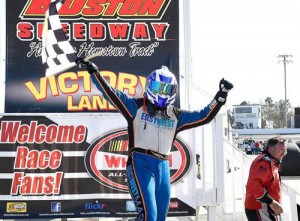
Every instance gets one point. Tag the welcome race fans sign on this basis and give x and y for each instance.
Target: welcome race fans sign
(132, 38)
(75, 167)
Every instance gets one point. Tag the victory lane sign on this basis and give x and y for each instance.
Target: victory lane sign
(127, 35)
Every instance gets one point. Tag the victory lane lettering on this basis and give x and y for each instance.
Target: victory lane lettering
(69, 83)
(36, 184)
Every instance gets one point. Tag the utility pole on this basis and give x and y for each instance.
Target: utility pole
(284, 58)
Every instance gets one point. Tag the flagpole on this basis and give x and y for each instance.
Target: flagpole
(187, 51)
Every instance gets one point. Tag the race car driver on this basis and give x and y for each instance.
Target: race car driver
(263, 190)
(153, 123)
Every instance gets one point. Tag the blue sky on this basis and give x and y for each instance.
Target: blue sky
(240, 40)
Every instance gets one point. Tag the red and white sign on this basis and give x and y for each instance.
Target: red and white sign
(106, 159)
(69, 162)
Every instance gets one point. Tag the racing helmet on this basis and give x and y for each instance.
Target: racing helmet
(161, 87)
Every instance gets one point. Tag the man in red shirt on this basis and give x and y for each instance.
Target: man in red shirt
(263, 190)
(256, 148)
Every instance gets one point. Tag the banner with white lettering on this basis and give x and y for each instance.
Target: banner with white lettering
(131, 38)
(75, 167)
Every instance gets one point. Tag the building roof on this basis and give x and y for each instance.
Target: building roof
(247, 105)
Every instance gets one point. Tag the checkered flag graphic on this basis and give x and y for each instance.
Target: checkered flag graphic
(58, 54)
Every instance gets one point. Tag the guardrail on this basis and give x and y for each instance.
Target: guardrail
(290, 200)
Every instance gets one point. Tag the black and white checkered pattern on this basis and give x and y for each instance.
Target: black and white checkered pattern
(57, 53)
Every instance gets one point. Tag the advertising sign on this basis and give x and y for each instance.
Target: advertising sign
(131, 38)
(75, 167)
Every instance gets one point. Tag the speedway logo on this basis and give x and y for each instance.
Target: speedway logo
(95, 9)
(97, 21)
(106, 158)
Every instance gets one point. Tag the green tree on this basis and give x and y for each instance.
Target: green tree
(269, 102)
(275, 111)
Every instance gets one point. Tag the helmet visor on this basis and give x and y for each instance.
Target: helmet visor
(162, 88)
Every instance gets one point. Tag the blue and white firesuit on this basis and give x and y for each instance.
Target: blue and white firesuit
(151, 133)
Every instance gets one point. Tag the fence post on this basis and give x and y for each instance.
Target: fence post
(212, 213)
(293, 204)
(219, 158)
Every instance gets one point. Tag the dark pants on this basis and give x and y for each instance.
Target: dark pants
(263, 214)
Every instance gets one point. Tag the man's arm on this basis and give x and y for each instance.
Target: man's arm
(275, 206)
(187, 119)
(125, 104)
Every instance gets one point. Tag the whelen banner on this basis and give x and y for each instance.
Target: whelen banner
(56, 166)
(132, 38)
